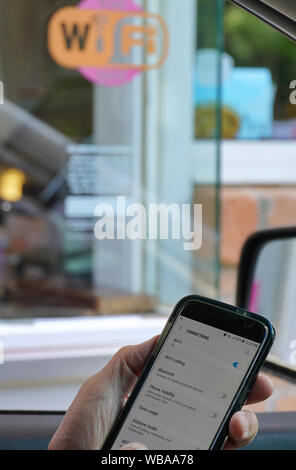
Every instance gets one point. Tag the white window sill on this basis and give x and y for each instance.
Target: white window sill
(47, 360)
(47, 341)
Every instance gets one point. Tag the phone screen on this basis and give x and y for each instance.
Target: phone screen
(189, 389)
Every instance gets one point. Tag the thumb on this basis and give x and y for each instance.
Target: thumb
(100, 399)
(127, 365)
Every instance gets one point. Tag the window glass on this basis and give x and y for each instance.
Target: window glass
(75, 138)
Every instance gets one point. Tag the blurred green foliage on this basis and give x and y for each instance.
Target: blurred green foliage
(254, 44)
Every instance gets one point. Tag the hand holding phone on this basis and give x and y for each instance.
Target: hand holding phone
(199, 374)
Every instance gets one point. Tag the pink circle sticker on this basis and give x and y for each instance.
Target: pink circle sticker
(103, 75)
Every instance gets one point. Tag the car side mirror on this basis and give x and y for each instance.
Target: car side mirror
(267, 285)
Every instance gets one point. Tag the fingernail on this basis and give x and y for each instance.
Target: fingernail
(134, 446)
(245, 425)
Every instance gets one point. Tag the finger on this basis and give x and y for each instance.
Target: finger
(134, 446)
(243, 428)
(263, 389)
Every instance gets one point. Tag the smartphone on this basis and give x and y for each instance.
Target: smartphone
(200, 373)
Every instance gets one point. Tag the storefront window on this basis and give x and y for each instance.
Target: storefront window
(82, 136)
(86, 149)
(125, 116)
